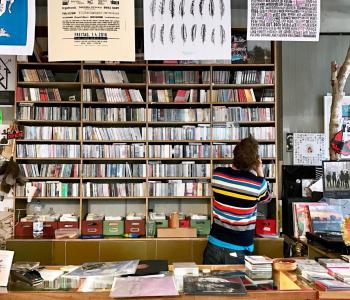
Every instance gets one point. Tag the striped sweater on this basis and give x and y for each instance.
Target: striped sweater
(236, 195)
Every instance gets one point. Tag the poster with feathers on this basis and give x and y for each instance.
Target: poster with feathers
(187, 29)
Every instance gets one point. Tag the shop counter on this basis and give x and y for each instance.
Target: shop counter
(287, 287)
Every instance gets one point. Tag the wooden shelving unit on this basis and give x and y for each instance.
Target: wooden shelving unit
(76, 86)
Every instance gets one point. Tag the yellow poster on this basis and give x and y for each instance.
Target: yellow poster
(91, 30)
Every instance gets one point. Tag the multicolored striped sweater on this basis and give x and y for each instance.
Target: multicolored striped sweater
(236, 195)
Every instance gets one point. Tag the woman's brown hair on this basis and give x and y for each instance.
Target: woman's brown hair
(246, 154)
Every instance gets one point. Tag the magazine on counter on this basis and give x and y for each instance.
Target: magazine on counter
(117, 268)
(214, 285)
(143, 286)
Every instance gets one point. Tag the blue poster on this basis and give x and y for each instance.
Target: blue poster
(17, 26)
(13, 22)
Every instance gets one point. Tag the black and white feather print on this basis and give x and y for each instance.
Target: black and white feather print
(222, 8)
(153, 32)
(201, 7)
(172, 8)
(172, 34)
(193, 3)
(161, 34)
(184, 33)
(194, 32)
(212, 37)
(152, 7)
(162, 7)
(203, 32)
(182, 8)
(211, 8)
(222, 34)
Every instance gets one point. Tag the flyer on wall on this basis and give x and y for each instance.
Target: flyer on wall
(7, 79)
(17, 27)
(292, 20)
(187, 30)
(91, 30)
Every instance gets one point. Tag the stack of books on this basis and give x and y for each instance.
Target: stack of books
(333, 263)
(258, 267)
(332, 285)
(342, 274)
(311, 271)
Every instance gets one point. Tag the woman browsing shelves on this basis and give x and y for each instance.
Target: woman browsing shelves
(237, 191)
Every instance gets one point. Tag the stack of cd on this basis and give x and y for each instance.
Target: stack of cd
(258, 267)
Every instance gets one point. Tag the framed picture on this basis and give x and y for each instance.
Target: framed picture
(259, 52)
(336, 179)
(308, 149)
(289, 142)
(345, 121)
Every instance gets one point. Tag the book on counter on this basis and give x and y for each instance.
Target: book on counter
(213, 285)
(151, 267)
(258, 259)
(333, 263)
(332, 285)
(342, 274)
(108, 269)
(315, 276)
(258, 267)
(143, 287)
(345, 257)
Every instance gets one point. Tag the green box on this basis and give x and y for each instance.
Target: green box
(113, 227)
(161, 223)
(203, 226)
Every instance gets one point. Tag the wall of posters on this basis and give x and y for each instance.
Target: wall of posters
(7, 79)
(187, 29)
(288, 20)
(17, 27)
(309, 149)
(91, 30)
(345, 120)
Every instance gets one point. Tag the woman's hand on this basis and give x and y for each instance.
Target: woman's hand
(258, 168)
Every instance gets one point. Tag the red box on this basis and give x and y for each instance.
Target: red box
(49, 229)
(135, 226)
(185, 223)
(265, 226)
(67, 224)
(24, 230)
(92, 227)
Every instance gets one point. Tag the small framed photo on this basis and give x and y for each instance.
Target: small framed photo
(289, 142)
(336, 179)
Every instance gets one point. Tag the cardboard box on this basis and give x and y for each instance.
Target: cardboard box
(66, 224)
(203, 226)
(176, 232)
(94, 228)
(24, 230)
(113, 228)
(265, 226)
(135, 226)
(49, 229)
(162, 223)
(185, 223)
